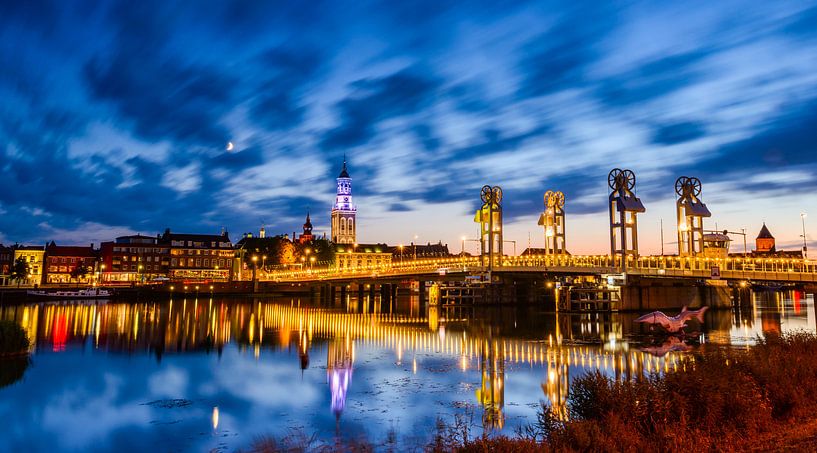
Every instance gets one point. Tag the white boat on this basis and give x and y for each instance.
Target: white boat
(90, 293)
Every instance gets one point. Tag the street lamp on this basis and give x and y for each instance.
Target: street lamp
(805, 247)
(254, 271)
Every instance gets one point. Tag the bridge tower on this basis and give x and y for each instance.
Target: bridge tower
(624, 207)
(489, 216)
(553, 220)
(691, 212)
(344, 226)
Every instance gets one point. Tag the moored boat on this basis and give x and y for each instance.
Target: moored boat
(90, 293)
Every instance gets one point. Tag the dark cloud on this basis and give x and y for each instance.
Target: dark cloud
(785, 142)
(239, 159)
(164, 100)
(399, 207)
(672, 134)
(403, 93)
(286, 72)
(494, 140)
(653, 79)
(558, 58)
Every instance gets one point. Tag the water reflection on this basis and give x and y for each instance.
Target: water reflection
(502, 360)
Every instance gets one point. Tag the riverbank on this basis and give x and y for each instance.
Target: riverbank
(756, 399)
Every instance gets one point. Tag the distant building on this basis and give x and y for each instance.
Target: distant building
(344, 212)
(199, 257)
(135, 258)
(764, 243)
(61, 262)
(307, 234)
(438, 250)
(6, 263)
(34, 255)
(363, 256)
(765, 247)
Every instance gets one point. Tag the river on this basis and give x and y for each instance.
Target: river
(216, 374)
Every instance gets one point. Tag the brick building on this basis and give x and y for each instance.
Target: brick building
(135, 258)
(6, 263)
(63, 261)
(199, 257)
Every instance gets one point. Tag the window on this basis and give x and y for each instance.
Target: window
(198, 262)
(173, 262)
(206, 263)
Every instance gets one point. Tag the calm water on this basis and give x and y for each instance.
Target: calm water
(201, 375)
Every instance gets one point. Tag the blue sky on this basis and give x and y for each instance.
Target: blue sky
(116, 118)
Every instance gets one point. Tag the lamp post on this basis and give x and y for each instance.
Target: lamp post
(401, 253)
(141, 274)
(101, 272)
(805, 247)
(254, 270)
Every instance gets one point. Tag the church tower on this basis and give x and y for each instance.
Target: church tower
(344, 226)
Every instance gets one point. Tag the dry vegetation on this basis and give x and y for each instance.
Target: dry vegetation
(729, 400)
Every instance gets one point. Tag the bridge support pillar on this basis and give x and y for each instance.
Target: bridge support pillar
(343, 302)
(332, 293)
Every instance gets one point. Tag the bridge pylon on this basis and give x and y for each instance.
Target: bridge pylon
(624, 209)
(489, 216)
(553, 221)
(691, 212)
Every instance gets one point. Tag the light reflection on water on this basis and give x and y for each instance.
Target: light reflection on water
(199, 374)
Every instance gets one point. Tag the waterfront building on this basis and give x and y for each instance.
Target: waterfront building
(69, 264)
(199, 257)
(6, 263)
(363, 256)
(133, 259)
(344, 212)
(34, 255)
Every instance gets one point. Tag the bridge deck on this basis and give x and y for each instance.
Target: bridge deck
(747, 269)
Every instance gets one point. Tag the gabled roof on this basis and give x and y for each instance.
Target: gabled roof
(764, 233)
(85, 251)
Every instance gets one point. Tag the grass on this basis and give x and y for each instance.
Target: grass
(726, 400)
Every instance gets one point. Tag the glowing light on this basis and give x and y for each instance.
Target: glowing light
(230, 146)
(215, 418)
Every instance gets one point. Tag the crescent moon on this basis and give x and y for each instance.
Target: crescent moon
(230, 146)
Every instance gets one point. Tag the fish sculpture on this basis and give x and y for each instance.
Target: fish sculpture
(673, 324)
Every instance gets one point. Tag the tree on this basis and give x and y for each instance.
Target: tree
(20, 270)
(79, 271)
(323, 250)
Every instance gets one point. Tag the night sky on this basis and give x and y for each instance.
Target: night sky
(116, 119)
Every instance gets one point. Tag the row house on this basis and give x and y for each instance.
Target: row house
(70, 264)
(135, 258)
(34, 255)
(6, 264)
(199, 257)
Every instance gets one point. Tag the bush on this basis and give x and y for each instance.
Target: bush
(13, 339)
(12, 369)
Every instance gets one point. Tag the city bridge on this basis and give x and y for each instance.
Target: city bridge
(702, 273)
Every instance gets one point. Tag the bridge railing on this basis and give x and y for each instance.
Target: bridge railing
(442, 265)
